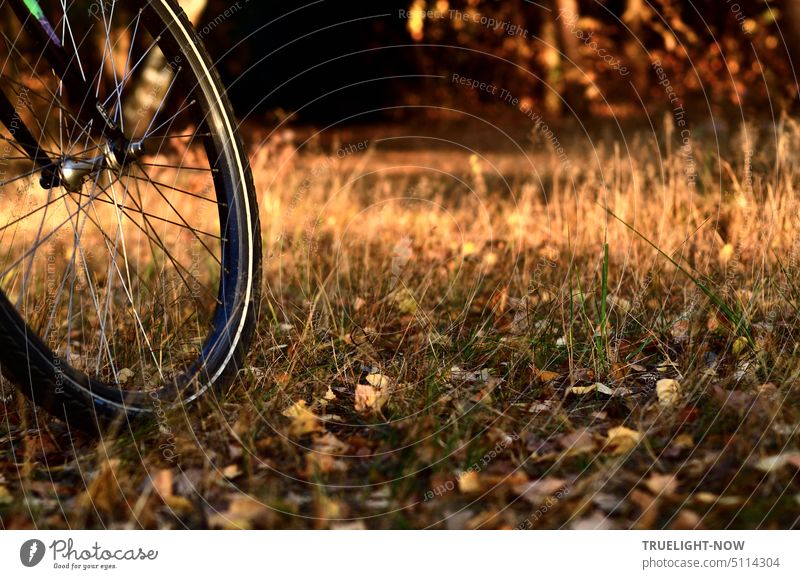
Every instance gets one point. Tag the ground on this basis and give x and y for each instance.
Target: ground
(504, 337)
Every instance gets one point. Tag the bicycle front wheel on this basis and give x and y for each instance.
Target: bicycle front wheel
(130, 252)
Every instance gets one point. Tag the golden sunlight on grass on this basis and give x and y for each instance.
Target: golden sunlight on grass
(424, 302)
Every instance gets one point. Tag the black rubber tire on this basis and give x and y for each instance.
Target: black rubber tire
(52, 384)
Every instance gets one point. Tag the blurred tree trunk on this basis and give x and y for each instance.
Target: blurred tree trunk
(635, 15)
(568, 11)
(571, 78)
(561, 57)
(154, 79)
(792, 10)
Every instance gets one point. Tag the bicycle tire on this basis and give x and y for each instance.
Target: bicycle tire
(89, 404)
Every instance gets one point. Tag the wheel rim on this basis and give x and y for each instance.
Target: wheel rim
(139, 296)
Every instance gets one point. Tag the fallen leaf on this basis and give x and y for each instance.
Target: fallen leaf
(460, 375)
(540, 490)
(231, 471)
(706, 497)
(668, 391)
(619, 371)
(242, 513)
(162, 483)
(378, 380)
(484, 395)
(577, 441)
(603, 389)
(581, 390)
(545, 375)
(622, 440)
(740, 346)
(323, 463)
(662, 484)
(538, 407)
(124, 375)
(374, 395)
(328, 443)
(778, 461)
(468, 482)
(303, 420)
(366, 397)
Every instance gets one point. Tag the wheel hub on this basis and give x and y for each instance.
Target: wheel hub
(71, 172)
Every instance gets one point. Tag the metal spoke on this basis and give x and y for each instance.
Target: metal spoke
(172, 118)
(178, 213)
(176, 189)
(125, 208)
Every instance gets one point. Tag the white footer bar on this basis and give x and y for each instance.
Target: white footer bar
(388, 554)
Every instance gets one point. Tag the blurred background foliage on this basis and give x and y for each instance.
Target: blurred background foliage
(285, 57)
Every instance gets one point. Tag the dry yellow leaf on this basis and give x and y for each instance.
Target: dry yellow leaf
(231, 471)
(706, 497)
(580, 390)
(366, 396)
(378, 380)
(5, 496)
(468, 482)
(546, 376)
(622, 440)
(375, 394)
(303, 420)
(124, 375)
(668, 391)
(740, 346)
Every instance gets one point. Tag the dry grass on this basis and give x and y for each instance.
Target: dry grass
(433, 323)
